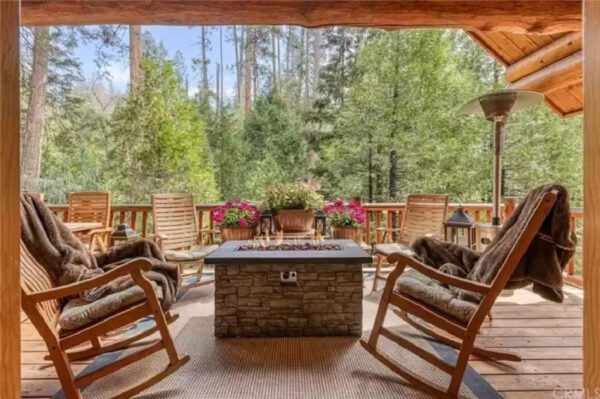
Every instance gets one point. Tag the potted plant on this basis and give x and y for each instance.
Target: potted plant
(237, 220)
(346, 220)
(293, 206)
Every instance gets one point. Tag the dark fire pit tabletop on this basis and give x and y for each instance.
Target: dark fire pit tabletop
(348, 252)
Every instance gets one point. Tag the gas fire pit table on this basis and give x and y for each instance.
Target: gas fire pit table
(291, 288)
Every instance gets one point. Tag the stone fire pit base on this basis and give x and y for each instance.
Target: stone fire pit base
(251, 300)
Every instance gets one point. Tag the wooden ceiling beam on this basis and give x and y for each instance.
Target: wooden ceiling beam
(520, 16)
(561, 74)
(548, 55)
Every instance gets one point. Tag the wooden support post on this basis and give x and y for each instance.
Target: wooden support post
(10, 294)
(591, 199)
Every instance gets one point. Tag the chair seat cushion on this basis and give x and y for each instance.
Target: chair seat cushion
(387, 249)
(190, 255)
(78, 313)
(426, 290)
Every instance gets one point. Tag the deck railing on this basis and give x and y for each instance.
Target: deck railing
(139, 218)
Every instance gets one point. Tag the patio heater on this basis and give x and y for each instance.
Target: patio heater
(496, 106)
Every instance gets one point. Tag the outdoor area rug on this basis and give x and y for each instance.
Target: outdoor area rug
(284, 368)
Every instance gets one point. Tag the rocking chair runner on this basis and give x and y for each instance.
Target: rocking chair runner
(466, 332)
(41, 301)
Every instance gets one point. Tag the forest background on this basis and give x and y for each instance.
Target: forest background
(356, 112)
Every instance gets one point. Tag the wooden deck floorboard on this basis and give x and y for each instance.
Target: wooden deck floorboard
(546, 335)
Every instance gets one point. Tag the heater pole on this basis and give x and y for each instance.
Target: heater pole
(499, 122)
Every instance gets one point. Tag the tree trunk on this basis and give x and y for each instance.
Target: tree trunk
(238, 68)
(274, 60)
(248, 58)
(221, 69)
(316, 61)
(307, 67)
(343, 65)
(288, 51)
(255, 34)
(203, 61)
(393, 185)
(370, 169)
(135, 55)
(218, 91)
(36, 110)
(279, 57)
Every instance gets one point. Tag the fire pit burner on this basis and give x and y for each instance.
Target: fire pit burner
(305, 246)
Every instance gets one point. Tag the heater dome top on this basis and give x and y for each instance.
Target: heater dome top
(501, 103)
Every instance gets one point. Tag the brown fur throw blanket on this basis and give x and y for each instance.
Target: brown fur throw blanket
(542, 265)
(69, 260)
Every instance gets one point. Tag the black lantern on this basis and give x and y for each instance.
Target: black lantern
(460, 228)
(122, 234)
(320, 224)
(266, 224)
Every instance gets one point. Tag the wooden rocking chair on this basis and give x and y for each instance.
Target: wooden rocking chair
(465, 332)
(41, 300)
(177, 234)
(424, 216)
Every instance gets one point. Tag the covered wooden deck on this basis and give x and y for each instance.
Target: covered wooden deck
(548, 336)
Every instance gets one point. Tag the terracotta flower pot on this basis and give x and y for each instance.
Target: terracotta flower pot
(237, 233)
(294, 220)
(347, 233)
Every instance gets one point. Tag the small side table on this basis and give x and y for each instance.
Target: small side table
(484, 234)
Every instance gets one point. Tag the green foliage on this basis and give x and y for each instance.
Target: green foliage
(291, 196)
(158, 142)
(384, 123)
(275, 148)
(74, 150)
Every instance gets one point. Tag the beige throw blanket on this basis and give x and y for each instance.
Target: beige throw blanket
(69, 260)
(542, 265)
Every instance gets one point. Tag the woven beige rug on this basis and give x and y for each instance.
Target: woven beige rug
(275, 368)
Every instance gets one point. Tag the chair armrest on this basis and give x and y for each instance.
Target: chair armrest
(103, 230)
(435, 274)
(211, 233)
(392, 229)
(158, 239)
(139, 264)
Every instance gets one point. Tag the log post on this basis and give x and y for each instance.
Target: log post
(10, 294)
(591, 198)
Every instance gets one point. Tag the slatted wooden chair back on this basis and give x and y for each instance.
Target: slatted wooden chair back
(425, 215)
(89, 207)
(175, 220)
(35, 278)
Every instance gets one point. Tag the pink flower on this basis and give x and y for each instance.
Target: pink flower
(218, 217)
(243, 222)
(338, 202)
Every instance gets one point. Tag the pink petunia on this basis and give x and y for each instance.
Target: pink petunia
(338, 202)
(243, 222)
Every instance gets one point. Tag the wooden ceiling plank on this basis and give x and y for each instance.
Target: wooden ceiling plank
(526, 43)
(482, 39)
(521, 16)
